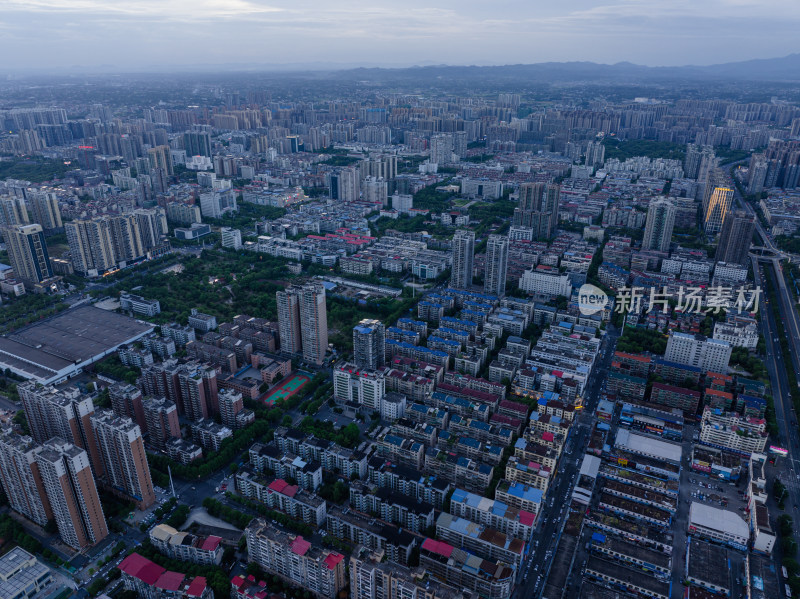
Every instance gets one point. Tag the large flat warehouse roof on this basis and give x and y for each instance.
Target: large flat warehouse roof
(53, 349)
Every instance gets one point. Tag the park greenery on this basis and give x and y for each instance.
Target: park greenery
(347, 436)
(344, 314)
(409, 164)
(213, 461)
(36, 170)
(341, 160)
(246, 215)
(232, 516)
(218, 509)
(411, 224)
(22, 311)
(479, 158)
(728, 156)
(226, 283)
(387, 279)
(751, 363)
(788, 243)
(114, 368)
(624, 149)
(220, 282)
(430, 199)
(495, 211)
(569, 225)
(11, 530)
(635, 340)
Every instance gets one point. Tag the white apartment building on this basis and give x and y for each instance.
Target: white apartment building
(231, 238)
(737, 334)
(296, 560)
(698, 351)
(734, 273)
(732, 431)
(545, 280)
(362, 385)
(402, 202)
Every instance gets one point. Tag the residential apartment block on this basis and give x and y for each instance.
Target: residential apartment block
(296, 560)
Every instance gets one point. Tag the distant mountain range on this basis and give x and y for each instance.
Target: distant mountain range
(785, 69)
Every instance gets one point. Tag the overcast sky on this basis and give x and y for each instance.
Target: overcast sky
(138, 34)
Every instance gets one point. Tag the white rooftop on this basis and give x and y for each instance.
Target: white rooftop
(714, 518)
(648, 446)
(590, 465)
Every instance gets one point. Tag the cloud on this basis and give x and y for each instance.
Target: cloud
(188, 10)
(137, 32)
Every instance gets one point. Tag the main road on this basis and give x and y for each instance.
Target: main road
(788, 468)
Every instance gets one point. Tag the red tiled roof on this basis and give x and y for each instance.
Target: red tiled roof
(300, 546)
(503, 419)
(636, 357)
(515, 406)
(142, 568)
(439, 547)
(170, 581)
(197, 587)
(527, 518)
(673, 389)
(719, 375)
(278, 485)
(211, 543)
(333, 559)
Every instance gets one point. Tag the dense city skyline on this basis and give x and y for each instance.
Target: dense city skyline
(455, 332)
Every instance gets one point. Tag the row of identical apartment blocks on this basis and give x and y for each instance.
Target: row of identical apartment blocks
(445, 571)
(398, 483)
(429, 465)
(448, 433)
(295, 560)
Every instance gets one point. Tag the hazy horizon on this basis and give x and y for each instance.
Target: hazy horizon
(143, 35)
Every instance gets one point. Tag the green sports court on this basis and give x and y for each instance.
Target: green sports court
(285, 388)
